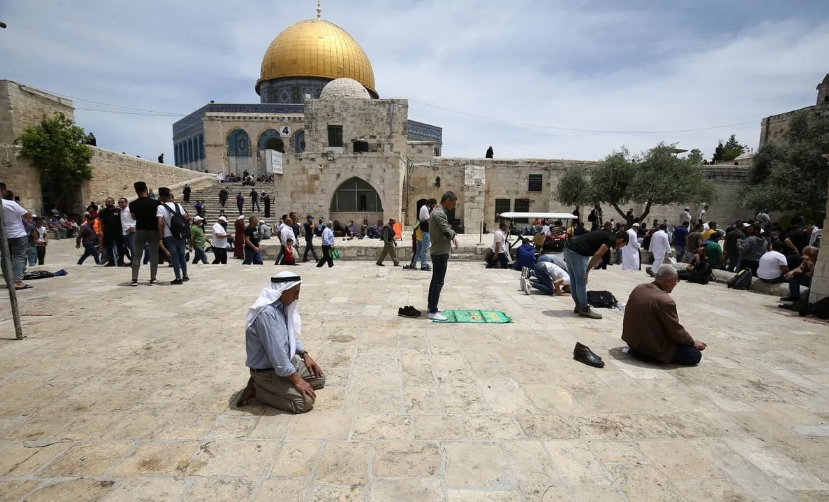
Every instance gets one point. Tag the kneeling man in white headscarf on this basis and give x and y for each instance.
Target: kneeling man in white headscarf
(282, 374)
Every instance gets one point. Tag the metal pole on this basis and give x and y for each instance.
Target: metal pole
(7, 265)
(481, 234)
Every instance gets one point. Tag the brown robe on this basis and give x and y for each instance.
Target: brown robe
(651, 323)
(239, 240)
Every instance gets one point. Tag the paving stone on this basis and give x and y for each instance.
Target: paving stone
(88, 459)
(81, 490)
(157, 459)
(344, 463)
(410, 490)
(404, 459)
(296, 458)
(476, 465)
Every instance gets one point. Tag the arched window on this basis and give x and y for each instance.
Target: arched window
(270, 140)
(356, 195)
(299, 141)
(238, 143)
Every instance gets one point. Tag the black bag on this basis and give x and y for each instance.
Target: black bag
(820, 308)
(489, 257)
(701, 273)
(601, 299)
(741, 281)
(179, 226)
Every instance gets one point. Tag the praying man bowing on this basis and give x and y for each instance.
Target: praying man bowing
(282, 374)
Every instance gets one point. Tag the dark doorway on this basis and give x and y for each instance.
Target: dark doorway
(275, 144)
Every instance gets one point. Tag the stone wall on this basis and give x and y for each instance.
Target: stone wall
(112, 176)
(381, 122)
(21, 107)
(309, 183)
(820, 280)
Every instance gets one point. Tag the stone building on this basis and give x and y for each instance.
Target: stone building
(112, 173)
(774, 127)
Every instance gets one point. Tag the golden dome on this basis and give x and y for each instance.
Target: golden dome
(316, 48)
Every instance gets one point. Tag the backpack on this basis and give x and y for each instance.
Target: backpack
(601, 299)
(179, 226)
(819, 309)
(741, 281)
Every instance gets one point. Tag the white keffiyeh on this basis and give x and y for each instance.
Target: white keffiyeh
(271, 295)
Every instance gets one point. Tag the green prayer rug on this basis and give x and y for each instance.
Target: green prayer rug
(475, 316)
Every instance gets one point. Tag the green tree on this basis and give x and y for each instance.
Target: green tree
(695, 156)
(659, 177)
(729, 151)
(793, 175)
(573, 188)
(56, 148)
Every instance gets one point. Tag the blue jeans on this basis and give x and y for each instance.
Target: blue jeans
(733, 263)
(417, 254)
(18, 249)
(439, 264)
(794, 286)
(199, 255)
(685, 355)
(424, 249)
(680, 253)
(577, 268)
(129, 240)
(252, 257)
(545, 282)
(178, 255)
(31, 253)
(89, 250)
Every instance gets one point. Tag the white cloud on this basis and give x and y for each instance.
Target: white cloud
(563, 63)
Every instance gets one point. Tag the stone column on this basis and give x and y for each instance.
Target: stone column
(474, 197)
(820, 281)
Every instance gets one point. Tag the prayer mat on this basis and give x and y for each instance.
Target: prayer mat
(475, 316)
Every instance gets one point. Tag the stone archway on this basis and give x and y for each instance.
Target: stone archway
(356, 200)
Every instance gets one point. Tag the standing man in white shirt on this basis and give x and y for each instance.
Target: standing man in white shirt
(176, 240)
(13, 216)
(686, 216)
(220, 244)
(127, 226)
(703, 213)
(661, 249)
(327, 245)
(426, 239)
(631, 258)
(499, 248)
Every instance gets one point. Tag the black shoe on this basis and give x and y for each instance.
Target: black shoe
(185, 279)
(380, 265)
(177, 282)
(789, 299)
(153, 282)
(426, 269)
(409, 312)
(134, 282)
(583, 354)
(109, 265)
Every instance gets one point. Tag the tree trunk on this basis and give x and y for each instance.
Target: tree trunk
(619, 210)
(647, 211)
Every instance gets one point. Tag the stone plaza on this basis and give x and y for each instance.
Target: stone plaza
(123, 394)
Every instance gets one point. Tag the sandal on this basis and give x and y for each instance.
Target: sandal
(25, 286)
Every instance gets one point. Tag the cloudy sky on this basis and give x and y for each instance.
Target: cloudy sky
(539, 67)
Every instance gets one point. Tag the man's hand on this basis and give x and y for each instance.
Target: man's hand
(455, 241)
(131, 230)
(302, 386)
(313, 366)
(700, 345)
(585, 276)
(77, 246)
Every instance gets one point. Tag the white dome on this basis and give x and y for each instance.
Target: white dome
(344, 88)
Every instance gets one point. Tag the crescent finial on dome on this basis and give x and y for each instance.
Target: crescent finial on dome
(319, 10)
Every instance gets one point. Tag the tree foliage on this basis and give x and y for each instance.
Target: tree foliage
(729, 151)
(658, 177)
(574, 188)
(792, 176)
(56, 147)
(695, 157)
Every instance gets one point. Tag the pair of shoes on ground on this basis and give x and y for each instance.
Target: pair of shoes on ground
(409, 311)
(383, 264)
(586, 312)
(583, 354)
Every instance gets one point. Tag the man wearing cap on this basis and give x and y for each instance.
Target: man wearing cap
(630, 252)
(220, 244)
(197, 240)
(283, 374)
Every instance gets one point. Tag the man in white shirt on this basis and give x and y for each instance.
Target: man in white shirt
(773, 265)
(176, 245)
(286, 232)
(631, 258)
(13, 216)
(552, 279)
(686, 216)
(220, 244)
(499, 248)
(661, 249)
(127, 226)
(327, 245)
(425, 237)
(703, 213)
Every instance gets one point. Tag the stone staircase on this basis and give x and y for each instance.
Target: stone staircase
(210, 196)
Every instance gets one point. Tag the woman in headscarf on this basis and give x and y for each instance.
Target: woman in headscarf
(239, 240)
(283, 375)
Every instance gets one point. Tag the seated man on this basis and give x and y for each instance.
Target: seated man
(283, 375)
(525, 255)
(557, 229)
(802, 275)
(773, 266)
(651, 325)
(552, 279)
